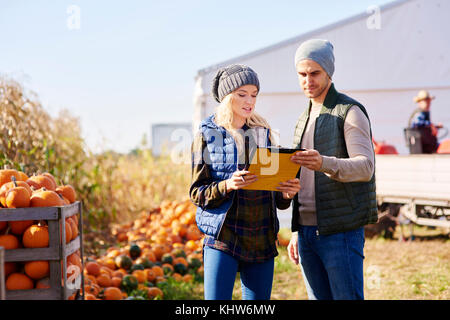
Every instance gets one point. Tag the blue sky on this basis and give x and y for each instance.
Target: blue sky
(132, 63)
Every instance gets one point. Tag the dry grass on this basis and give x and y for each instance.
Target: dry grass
(393, 270)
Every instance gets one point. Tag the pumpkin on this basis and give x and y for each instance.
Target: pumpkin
(89, 296)
(93, 268)
(140, 275)
(68, 192)
(37, 269)
(41, 181)
(154, 292)
(19, 281)
(68, 231)
(10, 267)
(180, 268)
(112, 293)
(194, 262)
(8, 186)
(45, 198)
(146, 263)
(136, 266)
(17, 197)
(167, 258)
(52, 178)
(116, 281)
(129, 283)
(104, 280)
(123, 261)
(187, 277)
(178, 252)
(74, 259)
(167, 268)
(135, 251)
(43, 283)
(7, 174)
(9, 241)
(22, 176)
(150, 275)
(36, 236)
(177, 277)
(19, 227)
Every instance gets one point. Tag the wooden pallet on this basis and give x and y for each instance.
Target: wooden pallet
(61, 288)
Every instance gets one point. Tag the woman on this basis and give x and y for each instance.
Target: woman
(241, 226)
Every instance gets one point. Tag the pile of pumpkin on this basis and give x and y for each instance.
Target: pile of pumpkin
(163, 245)
(17, 190)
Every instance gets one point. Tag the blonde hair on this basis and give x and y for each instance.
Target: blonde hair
(224, 117)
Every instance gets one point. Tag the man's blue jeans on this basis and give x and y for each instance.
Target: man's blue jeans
(332, 265)
(220, 271)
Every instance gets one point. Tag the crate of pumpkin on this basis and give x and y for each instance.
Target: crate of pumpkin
(41, 232)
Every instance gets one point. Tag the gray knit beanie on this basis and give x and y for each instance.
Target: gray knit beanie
(232, 77)
(320, 51)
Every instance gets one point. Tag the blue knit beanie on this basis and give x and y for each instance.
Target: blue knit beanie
(232, 77)
(320, 51)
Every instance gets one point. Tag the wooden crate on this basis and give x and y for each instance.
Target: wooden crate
(2, 274)
(56, 253)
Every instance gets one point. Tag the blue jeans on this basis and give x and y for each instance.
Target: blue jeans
(220, 271)
(332, 265)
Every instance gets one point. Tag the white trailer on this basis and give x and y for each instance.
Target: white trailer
(417, 186)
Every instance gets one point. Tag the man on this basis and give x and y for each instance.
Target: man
(420, 120)
(338, 182)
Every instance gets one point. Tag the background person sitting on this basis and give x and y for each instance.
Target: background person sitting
(420, 120)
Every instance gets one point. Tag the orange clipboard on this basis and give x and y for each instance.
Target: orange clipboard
(272, 165)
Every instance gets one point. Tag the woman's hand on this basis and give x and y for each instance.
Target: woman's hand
(289, 188)
(239, 180)
(310, 159)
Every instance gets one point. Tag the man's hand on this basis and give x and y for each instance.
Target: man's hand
(239, 180)
(292, 248)
(289, 188)
(310, 159)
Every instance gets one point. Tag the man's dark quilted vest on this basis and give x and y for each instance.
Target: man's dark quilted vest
(340, 206)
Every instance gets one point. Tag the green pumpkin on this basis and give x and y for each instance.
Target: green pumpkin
(178, 252)
(194, 263)
(180, 268)
(129, 283)
(136, 266)
(145, 262)
(124, 262)
(135, 251)
(167, 258)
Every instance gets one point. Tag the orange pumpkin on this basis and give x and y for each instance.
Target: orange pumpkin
(158, 271)
(37, 269)
(43, 283)
(19, 281)
(45, 198)
(112, 293)
(7, 174)
(41, 181)
(68, 192)
(9, 241)
(68, 231)
(19, 227)
(35, 236)
(52, 178)
(17, 197)
(93, 268)
(116, 281)
(74, 227)
(154, 292)
(89, 296)
(10, 267)
(104, 280)
(8, 186)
